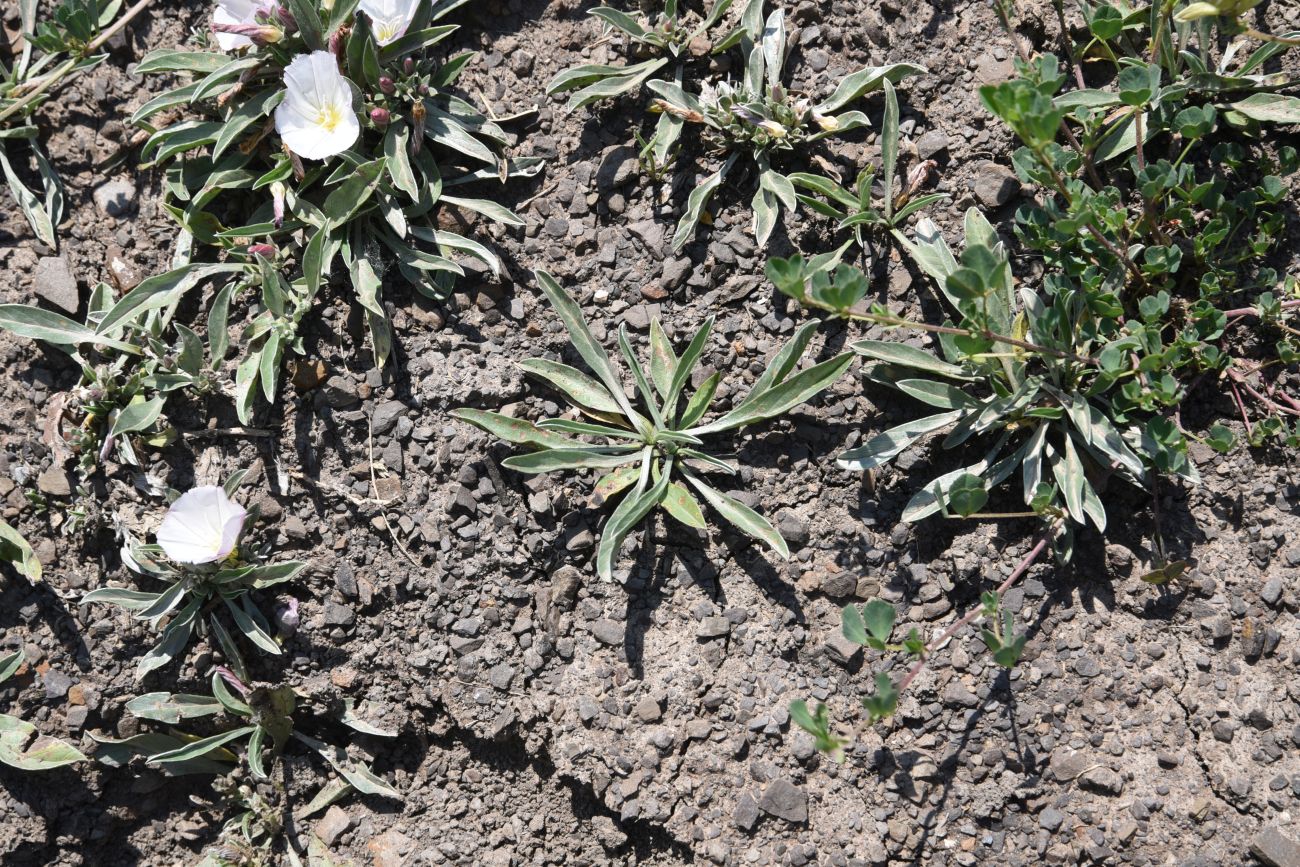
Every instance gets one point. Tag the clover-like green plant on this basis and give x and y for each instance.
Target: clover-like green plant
(133, 355)
(860, 209)
(17, 747)
(380, 201)
(200, 596)
(760, 117)
(650, 452)
(266, 724)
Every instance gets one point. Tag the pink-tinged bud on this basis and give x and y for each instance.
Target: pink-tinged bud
(379, 117)
(286, 19)
(418, 113)
(261, 34)
(286, 616)
(106, 448)
(337, 46)
(266, 251)
(386, 85)
(277, 202)
(423, 89)
(231, 678)
(408, 66)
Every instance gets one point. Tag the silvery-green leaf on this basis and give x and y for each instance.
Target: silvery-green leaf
(679, 503)
(907, 356)
(745, 519)
(488, 208)
(696, 202)
(855, 84)
(19, 751)
(137, 416)
(631, 509)
(883, 447)
(584, 391)
(201, 747)
(783, 397)
(171, 707)
(514, 430)
(15, 551)
(553, 459)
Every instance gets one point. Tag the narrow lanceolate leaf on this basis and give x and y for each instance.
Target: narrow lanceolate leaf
(118, 753)
(15, 551)
(42, 755)
(252, 631)
(612, 484)
(663, 361)
(1270, 108)
(907, 356)
(361, 777)
(174, 639)
(699, 403)
(696, 202)
(785, 359)
(783, 397)
(583, 340)
(488, 208)
(939, 394)
(132, 600)
(514, 430)
(201, 747)
(171, 707)
(351, 196)
(593, 83)
(40, 219)
(36, 324)
(568, 459)
(683, 368)
(631, 510)
(157, 292)
(581, 389)
(679, 503)
(745, 519)
(883, 447)
(864, 80)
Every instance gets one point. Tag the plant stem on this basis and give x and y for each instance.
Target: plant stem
(1252, 311)
(67, 66)
(1016, 574)
(1269, 37)
(899, 322)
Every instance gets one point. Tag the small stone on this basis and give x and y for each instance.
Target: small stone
(648, 710)
(1275, 849)
(115, 198)
(607, 631)
(307, 374)
(792, 527)
(76, 718)
(386, 415)
(1051, 819)
(841, 650)
(340, 392)
(389, 848)
(745, 816)
(785, 800)
(57, 684)
(54, 283)
(1102, 780)
(931, 143)
(607, 832)
(713, 627)
(995, 185)
(334, 824)
(1066, 765)
(338, 615)
(1272, 591)
(1168, 760)
(55, 482)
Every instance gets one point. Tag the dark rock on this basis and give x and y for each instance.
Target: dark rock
(745, 815)
(55, 482)
(607, 631)
(1051, 819)
(1275, 849)
(1102, 780)
(995, 185)
(785, 800)
(386, 415)
(713, 627)
(57, 684)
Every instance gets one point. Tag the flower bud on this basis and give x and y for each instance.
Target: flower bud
(386, 85)
(772, 128)
(266, 251)
(261, 34)
(825, 121)
(277, 202)
(286, 18)
(379, 117)
(408, 66)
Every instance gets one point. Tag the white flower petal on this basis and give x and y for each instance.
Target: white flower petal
(236, 12)
(316, 119)
(389, 19)
(202, 526)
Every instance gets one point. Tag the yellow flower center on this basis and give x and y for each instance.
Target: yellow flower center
(386, 32)
(329, 117)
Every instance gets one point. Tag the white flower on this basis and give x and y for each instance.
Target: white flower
(243, 12)
(389, 18)
(316, 119)
(202, 526)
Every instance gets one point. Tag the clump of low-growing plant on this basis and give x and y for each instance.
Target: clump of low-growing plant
(209, 573)
(654, 454)
(52, 51)
(870, 217)
(319, 134)
(671, 35)
(266, 721)
(132, 355)
(761, 118)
